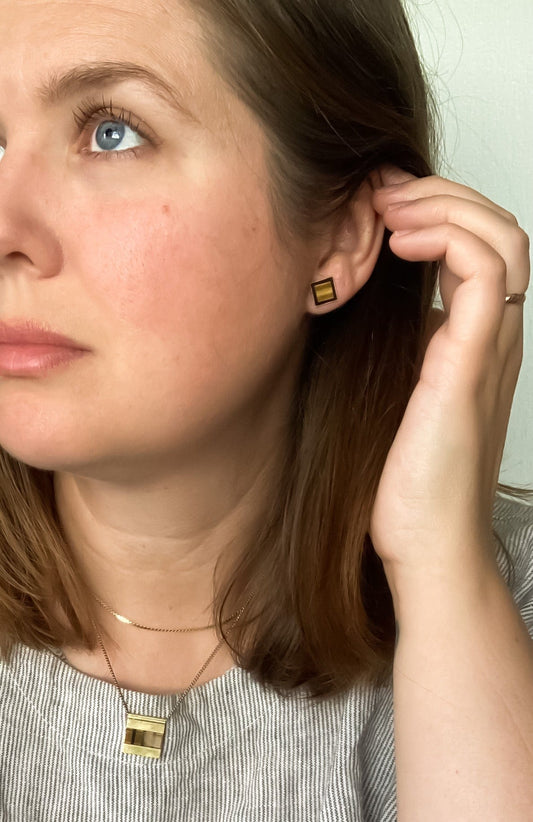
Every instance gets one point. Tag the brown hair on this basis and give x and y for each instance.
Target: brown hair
(340, 90)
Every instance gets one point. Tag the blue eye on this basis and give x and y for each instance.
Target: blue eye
(111, 132)
(112, 135)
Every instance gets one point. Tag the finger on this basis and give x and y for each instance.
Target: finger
(511, 242)
(392, 176)
(427, 186)
(403, 181)
(477, 304)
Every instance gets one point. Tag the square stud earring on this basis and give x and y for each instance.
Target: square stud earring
(324, 291)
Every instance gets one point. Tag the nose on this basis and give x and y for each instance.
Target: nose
(28, 242)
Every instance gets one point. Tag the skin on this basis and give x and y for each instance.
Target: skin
(165, 438)
(151, 489)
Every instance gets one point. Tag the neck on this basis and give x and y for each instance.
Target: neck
(150, 552)
(151, 558)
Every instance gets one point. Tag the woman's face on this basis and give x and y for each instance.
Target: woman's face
(149, 241)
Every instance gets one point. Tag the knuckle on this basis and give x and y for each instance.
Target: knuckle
(522, 240)
(509, 216)
(438, 207)
(496, 269)
(497, 277)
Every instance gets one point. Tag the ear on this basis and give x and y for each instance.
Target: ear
(350, 254)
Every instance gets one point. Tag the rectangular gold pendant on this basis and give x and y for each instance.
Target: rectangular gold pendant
(144, 735)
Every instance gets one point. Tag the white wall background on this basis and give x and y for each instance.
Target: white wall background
(479, 57)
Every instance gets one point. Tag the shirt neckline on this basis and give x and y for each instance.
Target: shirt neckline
(86, 713)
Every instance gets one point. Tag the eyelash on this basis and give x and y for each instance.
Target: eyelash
(91, 113)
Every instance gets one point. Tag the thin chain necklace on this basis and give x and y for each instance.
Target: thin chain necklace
(127, 621)
(144, 735)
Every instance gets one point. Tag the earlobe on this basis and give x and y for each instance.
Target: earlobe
(353, 253)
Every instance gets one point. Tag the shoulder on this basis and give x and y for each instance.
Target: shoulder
(513, 523)
(513, 527)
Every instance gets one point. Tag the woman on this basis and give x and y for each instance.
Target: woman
(252, 550)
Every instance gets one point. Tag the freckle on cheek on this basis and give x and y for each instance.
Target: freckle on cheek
(166, 209)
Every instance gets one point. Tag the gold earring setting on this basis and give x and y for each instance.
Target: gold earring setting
(324, 291)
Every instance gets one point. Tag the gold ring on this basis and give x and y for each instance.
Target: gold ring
(519, 299)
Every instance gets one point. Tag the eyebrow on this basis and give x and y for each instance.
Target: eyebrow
(88, 76)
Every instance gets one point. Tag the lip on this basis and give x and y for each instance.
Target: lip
(30, 349)
(34, 360)
(29, 332)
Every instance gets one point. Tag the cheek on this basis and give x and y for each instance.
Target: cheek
(136, 268)
(170, 272)
(194, 312)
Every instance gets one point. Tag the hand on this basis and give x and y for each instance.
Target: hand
(436, 493)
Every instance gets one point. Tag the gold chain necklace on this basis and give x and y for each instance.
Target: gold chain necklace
(144, 735)
(127, 621)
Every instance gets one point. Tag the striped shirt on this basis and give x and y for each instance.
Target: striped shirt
(234, 751)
